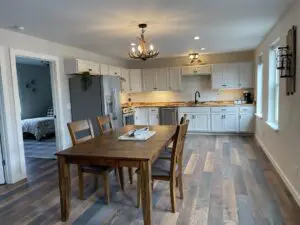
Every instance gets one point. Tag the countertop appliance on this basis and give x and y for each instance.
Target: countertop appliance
(248, 97)
(102, 97)
(168, 116)
(128, 116)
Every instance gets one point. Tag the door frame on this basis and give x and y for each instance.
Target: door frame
(56, 95)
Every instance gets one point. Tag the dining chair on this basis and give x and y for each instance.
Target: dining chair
(167, 154)
(105, 125)
(169, 170)
(84, 128)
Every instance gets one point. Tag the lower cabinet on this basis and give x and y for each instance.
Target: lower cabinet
(246, 122)
(199, 118)
(224, 119)
(217, 122)
(146, 116)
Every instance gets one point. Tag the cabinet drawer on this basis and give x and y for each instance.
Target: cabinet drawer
(247, 109)
(153, 110)
(224, 109)
(194, 110)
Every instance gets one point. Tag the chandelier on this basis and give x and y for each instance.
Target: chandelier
(144, 50)
(194, 57)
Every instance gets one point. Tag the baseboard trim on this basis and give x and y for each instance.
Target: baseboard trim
(287, 182)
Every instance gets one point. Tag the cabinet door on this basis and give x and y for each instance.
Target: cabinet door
(135, 79)
(153, 116)
(125, 82)
(246, 75)
(202, 122)
(217, 76)
(149, 80)
(217, 122)
(162, 79)
(175, 79)
(231, 122)
(114, 71)
(230, 75)
(104, 69)
(246, 122)
(141, 116)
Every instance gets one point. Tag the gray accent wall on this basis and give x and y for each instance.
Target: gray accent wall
(34, 90)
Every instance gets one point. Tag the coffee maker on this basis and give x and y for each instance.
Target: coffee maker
(248, 97)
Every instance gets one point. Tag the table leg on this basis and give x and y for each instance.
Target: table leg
(64, 188)
(146, 191)
(121, 177)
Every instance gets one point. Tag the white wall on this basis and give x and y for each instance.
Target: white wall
(20, 41)
(283, 147)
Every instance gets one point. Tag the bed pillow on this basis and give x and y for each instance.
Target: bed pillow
(50, 112)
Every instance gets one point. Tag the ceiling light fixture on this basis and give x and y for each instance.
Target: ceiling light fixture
(196, 38)
(144, 50)
(203, 49)
(132, 44)
(18, 28)
(194, 57)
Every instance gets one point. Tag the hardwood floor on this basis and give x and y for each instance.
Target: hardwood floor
(227, 180)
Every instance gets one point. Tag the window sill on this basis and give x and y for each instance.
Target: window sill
(258, 115)
(274, 126)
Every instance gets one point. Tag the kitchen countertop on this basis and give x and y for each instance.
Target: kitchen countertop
(185, 104)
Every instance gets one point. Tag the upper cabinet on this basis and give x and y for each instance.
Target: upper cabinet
(104, 69)
(196, 70)
(162, 79)
(135, 79)
(175, 79)
(246, 75)
(232, 76)
(125, 81)
(114, 71)
(73, 66)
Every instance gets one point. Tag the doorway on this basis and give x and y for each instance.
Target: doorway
(36, 102)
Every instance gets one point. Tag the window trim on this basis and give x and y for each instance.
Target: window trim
(259, 86)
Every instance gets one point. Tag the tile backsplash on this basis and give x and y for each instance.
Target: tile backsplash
(190, 84)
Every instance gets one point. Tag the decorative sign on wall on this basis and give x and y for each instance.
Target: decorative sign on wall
(286, 61)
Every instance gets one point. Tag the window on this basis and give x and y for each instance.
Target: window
(273, 109)
(259, 87)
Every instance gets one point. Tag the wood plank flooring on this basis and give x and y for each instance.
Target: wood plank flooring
(227, 180)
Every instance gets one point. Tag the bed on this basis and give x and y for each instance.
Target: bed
(40, 127)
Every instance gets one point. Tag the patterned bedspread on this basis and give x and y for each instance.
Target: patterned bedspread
(39, 127)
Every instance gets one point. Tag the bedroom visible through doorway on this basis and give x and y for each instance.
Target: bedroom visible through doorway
(37, 115)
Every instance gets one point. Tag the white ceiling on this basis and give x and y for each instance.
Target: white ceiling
(109, 26)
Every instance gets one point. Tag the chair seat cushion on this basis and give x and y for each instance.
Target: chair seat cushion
(161, 167)
(166, 154)
(95, 169)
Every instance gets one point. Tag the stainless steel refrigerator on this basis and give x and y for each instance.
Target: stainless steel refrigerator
(100, 97)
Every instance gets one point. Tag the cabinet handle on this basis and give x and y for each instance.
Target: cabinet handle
(224, 85)
(224, 116)
(90, 70)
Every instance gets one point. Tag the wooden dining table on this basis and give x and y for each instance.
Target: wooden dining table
(108, 150)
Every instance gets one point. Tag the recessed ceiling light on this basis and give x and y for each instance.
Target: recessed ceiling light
(203, 49)
(132, 44)
(196, 38)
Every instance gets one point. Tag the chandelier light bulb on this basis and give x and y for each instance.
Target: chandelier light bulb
(140, 49)
(151, 47)
(133, 49)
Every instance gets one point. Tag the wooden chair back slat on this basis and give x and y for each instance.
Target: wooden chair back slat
(183, 119)
(104, 123)
(78, 126)
(178, 144)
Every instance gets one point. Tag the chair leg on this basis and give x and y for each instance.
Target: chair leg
(173, 194)
(96, 182)
(80, 183)
(121, 177)
(106, 188)
(138, 192)
(180, 178)
(130, 174)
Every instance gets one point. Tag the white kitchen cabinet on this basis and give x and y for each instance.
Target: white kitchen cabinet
(246, 75)
(199, 118)
(73, 66)
(153, 116)
(104, 69)
(217, 123)
(230, 75)
(217, 76)
(175, 79)
(114, 71)
(230, 122)
(196, 70)
(162, 79)
(135, 80)
(246, 119)
(141, 116)
(149, 80)
(125, 81)
(201, 122)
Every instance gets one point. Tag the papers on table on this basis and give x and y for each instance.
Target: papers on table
(137, 135)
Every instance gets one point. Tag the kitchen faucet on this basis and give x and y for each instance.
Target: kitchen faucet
(197, 93)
